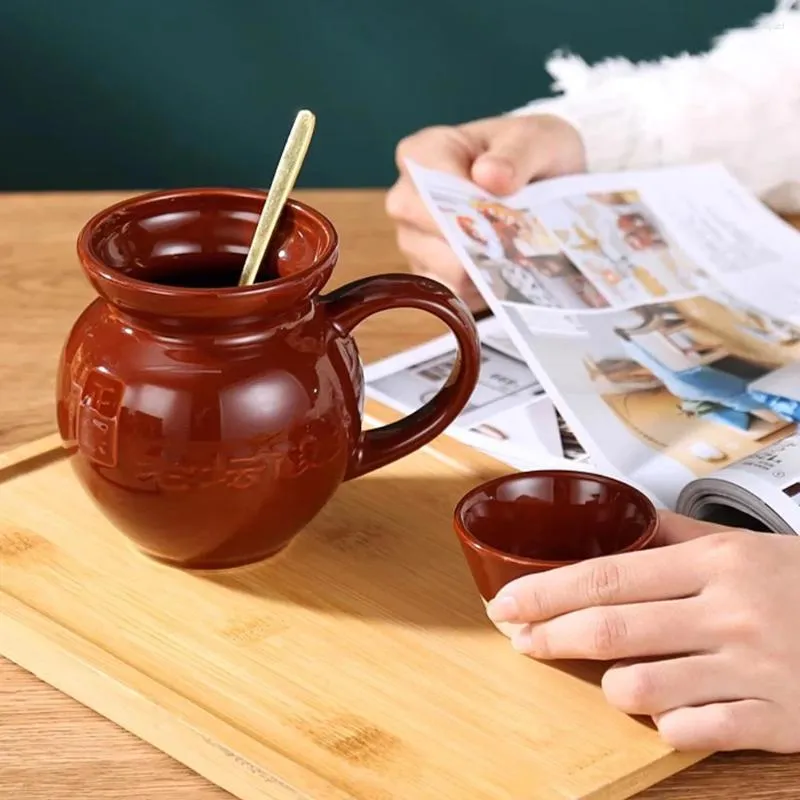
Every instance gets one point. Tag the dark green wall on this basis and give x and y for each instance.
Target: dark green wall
(145, 93)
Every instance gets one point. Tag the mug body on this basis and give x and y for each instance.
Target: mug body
(211, 422)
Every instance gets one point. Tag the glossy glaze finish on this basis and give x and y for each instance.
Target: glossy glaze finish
(530, 522)
(212, 423)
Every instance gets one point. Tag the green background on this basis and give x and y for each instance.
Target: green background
(158, 93)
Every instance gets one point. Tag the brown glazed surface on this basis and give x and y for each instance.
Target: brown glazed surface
(212, 421)
(534, 521)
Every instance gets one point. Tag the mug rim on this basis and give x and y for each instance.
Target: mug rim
(98, 270)
(474, 543)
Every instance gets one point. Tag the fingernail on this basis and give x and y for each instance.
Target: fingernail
(504, 608)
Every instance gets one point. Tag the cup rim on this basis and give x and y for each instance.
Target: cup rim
(476, 544)
(98, 270)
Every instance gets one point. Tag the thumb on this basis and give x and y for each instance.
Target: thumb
(515, 154)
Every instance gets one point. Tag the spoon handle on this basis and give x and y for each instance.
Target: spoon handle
(294, 151)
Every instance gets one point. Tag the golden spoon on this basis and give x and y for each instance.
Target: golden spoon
(294, 151)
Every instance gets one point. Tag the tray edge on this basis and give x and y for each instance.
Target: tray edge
(154, 713)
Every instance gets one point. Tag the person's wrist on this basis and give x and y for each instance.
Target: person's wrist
(570, 152)
(602, 128)
(573, 159)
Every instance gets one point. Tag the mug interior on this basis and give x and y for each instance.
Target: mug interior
(556, 516)
(198, 238)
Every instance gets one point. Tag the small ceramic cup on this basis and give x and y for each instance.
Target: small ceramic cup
(531, 522)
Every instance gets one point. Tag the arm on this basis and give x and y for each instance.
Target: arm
(739, 103)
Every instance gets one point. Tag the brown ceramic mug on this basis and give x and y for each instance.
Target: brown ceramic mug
(530, 522)
(213, 421)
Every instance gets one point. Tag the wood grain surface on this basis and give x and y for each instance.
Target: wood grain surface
(357, 664)
(51, 748)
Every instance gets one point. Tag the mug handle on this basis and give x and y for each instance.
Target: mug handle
(352, 304)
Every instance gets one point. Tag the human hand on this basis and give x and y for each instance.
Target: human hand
(704, 629)
(499, 154)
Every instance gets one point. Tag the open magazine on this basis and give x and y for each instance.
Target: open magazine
(658, 316)
(508, 416)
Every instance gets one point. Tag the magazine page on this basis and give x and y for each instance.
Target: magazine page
(660, 310)
(762, 491)
(508, 416)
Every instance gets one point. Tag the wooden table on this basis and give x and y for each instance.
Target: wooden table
(55, 749)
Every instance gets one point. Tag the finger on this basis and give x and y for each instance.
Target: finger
(460, 285)
(432, 256)
(675, 528)
(654, 687)
(426, 257)
(741, 725)
(636, 577)
(520, 151)
(404, 205)
(445, 148)
(607, 633)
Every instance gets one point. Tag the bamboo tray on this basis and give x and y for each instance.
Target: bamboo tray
(358, 665)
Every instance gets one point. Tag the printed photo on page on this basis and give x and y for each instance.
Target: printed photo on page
(660, 363)
(508, 415)
(616, 241)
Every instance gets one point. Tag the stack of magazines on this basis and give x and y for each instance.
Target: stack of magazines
(643, 324)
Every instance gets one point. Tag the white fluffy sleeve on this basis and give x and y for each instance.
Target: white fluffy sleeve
(739, 103)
